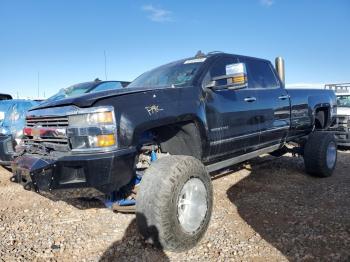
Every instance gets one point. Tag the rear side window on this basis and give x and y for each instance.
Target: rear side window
(260, 74)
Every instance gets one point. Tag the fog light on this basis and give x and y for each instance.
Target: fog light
(105, 140)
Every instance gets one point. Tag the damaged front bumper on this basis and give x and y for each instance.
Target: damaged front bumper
(73, 176)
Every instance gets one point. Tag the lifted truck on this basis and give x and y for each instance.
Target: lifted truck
(151, 146)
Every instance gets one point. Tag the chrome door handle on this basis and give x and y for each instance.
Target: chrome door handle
(250, 99)
(284, 97)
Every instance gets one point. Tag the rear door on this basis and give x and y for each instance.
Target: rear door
(231, 114)
(274, 102)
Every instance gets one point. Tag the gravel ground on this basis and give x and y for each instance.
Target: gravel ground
(265, 210)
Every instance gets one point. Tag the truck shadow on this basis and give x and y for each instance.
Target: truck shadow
(132, 247)
(79, 203)
(303, 217)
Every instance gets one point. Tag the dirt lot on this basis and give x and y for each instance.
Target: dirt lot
(266, 210)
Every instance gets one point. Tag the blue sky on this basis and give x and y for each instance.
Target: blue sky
(65, 40)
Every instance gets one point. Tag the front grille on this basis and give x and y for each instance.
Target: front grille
(343, 122)
(48, 131)
(339, 129)
(48, 122)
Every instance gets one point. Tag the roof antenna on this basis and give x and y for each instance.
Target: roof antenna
(199, 54)
(97, 80)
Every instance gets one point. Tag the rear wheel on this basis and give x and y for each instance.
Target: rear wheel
(320, 154)
(174, 202)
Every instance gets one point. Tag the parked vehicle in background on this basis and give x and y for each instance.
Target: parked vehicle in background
(149, 148)
(342, 127)
(12, 121)
(87, 87)
(5, 97)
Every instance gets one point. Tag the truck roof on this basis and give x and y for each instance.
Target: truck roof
(219, 53)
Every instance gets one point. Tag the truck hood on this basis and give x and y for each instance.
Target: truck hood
(88, 100)
(343, 111)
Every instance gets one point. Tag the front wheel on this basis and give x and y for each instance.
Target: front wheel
(174, 203)
(320, 154)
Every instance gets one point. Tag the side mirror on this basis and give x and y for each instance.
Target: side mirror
(234, 79)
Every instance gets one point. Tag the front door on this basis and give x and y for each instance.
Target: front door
(231, 115)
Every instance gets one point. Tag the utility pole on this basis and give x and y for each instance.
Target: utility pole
(104, 52)
(38, 84)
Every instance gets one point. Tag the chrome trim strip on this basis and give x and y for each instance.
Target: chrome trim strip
(231, 139)
(275, 129)
(66, 111)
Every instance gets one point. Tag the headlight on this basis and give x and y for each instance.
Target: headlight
(92, 130)
(91, 119)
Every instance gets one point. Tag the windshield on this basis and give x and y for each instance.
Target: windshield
(175, 74)
(71, 91)
(343, 101)
(83, 88)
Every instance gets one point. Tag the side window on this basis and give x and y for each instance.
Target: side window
(219, 69)
(107, 86)
(260, 74)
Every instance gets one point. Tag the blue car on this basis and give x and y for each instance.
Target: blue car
(12, 121)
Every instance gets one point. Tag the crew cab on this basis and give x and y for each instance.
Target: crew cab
(149, 148)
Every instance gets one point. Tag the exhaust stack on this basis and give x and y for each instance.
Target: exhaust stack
(279, 64)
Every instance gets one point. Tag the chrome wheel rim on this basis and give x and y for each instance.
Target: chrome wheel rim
(192, 205)
(331, 155)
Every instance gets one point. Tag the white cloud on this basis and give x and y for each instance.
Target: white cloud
(157, 14)
(267, 2)
(305, 85)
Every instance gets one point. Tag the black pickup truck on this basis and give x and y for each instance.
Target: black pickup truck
(150, 147)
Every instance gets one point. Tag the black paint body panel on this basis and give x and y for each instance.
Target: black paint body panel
(229, 126)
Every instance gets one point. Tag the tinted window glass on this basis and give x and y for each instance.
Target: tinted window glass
(260, 74)
(219, 69)
(176, 74)
(107, 86)
(74, 90)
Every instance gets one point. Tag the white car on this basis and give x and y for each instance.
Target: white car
(343, 119)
